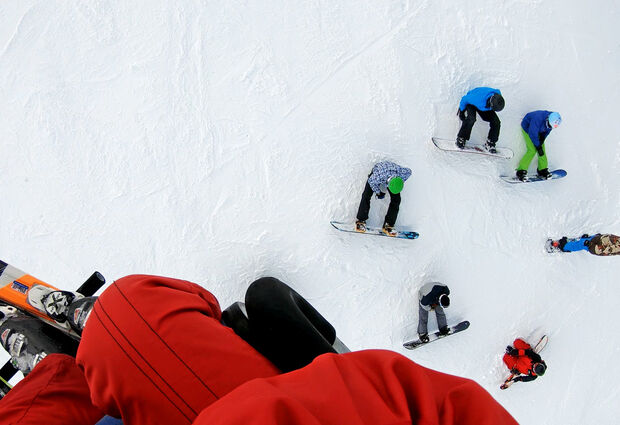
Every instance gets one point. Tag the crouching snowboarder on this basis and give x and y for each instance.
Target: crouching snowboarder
(484, 101)
(536, 126)
(524, 363)
(433, 296)
(385, 177)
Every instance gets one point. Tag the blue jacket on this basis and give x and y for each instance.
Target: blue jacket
(478, 97)
(535, 125)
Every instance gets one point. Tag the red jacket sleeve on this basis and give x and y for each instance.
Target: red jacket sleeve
(361, 388)
(54, 393)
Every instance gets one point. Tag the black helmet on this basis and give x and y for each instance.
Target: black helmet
(496, 102)
(540, 368)
(444, 300)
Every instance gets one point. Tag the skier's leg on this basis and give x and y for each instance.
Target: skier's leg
(441, 317)
(154, 350)
(392, 212)
(605, 245)
(422, 321)
(54, 393)
(364, 208)
(542, 160)
(468, 122)
(529, 153)
(284, 326)
(494, 124)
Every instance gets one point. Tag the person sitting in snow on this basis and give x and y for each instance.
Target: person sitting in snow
(524, 363)
(485, 102)
(385, 177)
(536, 126)
(433, 296)
(599, 244)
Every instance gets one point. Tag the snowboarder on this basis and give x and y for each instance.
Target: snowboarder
(142, 358)
(536, 126)
(433, 296)
(385, 177)
(599, 244)
(485, 102)
(523, 361)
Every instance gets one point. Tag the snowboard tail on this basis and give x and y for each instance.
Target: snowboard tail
(411, 345)
(449, 145)
(350, 227)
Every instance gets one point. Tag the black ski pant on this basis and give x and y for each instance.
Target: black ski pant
(364, 208)
(470, 118)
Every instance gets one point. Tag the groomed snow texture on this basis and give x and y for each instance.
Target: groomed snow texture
(214, 141)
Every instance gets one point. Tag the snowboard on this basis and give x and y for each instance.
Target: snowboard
(555, 174)
(20, 290)
(435, 336)
(542, 343)
(350, 227)
(450, 146)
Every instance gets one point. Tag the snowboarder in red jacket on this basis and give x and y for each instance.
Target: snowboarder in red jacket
(523, 361)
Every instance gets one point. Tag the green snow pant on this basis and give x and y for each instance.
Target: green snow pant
(529, 154)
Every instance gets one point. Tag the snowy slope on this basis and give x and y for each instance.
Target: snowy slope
(213, 141)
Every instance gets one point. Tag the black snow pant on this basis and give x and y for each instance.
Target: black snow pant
(470, 118)
(364, 208)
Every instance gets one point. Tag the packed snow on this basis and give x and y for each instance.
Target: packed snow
(214, 141)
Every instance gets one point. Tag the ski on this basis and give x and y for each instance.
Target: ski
(542, 343)
(411, 345)
(350, 227)
(22, 292)
(449, 145)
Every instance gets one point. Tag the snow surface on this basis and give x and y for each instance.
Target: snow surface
(214, 141)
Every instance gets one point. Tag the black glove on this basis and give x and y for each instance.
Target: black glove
(508, 349)
(380, 195)
(461, 114)
(540, 150)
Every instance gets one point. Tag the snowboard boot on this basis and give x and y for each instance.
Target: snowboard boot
(460, 142)
(79, 312)
(490, 146)
(424, 338)
(521, 174)
(360, 226)
(544, 173)
(389, 230)
(444, 330)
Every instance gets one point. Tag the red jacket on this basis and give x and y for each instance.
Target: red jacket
(372, 387)
(521, 363)
(154, 352)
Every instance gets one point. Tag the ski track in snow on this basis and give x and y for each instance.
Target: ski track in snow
(215, 142)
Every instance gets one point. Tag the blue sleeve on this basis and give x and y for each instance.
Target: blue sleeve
(534, 130)
(463, 103)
